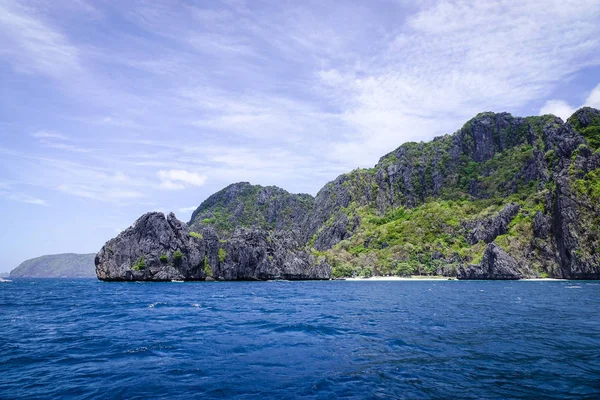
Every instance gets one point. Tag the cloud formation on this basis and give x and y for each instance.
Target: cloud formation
(110, 108)
(562, 109)
(179, 179)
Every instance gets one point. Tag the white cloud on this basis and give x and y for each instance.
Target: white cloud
(170, 185)
(22, 198)
(103, 194)
(563, 110)
(188, 209)
(48, 135)
(439, 70)
(32, 44)
(593, 99)
(178, 179)
(557, 107)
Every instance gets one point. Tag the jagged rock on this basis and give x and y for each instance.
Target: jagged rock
(489, 229)
(136, 253)
(541, 225)
(569, 219)
(540, 162)
(253, 254)
(331, 235)
(252, 206)
(248, 255)
(496, 264)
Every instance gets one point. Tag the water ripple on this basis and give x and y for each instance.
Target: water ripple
(323, 340)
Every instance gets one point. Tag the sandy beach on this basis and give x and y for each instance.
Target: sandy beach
(431, 278)
(400, 278)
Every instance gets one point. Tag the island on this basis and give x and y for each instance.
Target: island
(504, 197)
(67, 265)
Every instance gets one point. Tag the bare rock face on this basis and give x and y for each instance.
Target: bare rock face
(154, 248)
(541, 225)
(253, 254)
(489, 229)
(495, 265)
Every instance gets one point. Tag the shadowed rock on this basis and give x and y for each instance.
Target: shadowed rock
(489, 229)
(136, 253)
(156, 248)
(495, 265)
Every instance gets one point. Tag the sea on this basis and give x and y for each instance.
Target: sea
(87, 339)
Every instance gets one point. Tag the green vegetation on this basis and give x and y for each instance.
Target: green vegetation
(177, 257)
(413, 212)
(245, 205)
(139, 265)
(222, 255)
(196, 235)
(164, 258)
(207, 269)
(420, 240)
(591, 129)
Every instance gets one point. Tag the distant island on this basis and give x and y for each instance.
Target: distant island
(504, 197)
(68, 265)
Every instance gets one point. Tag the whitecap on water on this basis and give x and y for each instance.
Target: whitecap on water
(574, 287)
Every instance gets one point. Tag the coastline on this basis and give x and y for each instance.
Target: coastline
(432, 278)
(403, 278)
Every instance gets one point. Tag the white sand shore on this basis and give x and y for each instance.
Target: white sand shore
(543, 279)
(431, 278)
(399, 278)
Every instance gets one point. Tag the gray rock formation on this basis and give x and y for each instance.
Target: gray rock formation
(496, 264)
(541, 172)
(153, 248)
(258, 255)
(490, 228)
(156, 248)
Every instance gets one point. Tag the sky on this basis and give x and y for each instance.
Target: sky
(110, 109)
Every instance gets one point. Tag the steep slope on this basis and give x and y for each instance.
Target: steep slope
(432, 207)
(503, 196)
(67, 265)
(252, 206)
(586, 122)
(156, 248)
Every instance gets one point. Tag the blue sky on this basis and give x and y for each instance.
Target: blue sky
(109, 109)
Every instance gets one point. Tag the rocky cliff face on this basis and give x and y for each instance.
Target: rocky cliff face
(242, 205)
(495, 265)
(159, 248)
(529, 186)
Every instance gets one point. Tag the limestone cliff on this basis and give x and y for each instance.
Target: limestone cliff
(527, 188)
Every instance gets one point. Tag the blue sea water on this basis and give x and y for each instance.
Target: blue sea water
(325, 340)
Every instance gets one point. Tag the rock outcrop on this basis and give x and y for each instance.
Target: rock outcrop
(496, 264)
(156, 248)
(242, 205)
(488, 229)
(153, 248)
(258, 255)
(530, 185)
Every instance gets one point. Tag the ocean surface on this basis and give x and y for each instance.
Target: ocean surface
(284, 340)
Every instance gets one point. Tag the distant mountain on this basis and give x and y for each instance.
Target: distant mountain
(67, 265)
(503, 197)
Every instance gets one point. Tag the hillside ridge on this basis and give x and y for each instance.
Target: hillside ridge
(525, 188)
